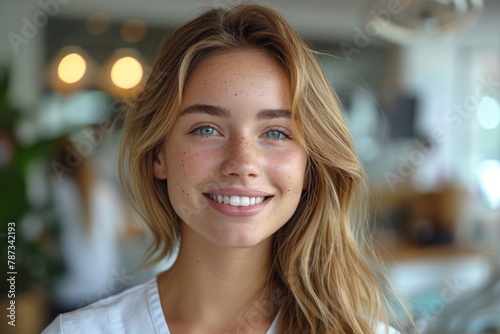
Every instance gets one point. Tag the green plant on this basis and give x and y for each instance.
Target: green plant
(35, 257)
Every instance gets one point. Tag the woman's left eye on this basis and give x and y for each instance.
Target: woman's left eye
(276, 134)
(205, 131)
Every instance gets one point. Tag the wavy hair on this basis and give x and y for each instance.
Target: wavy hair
(325, 282)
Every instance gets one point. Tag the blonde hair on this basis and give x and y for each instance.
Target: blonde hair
(324, 282)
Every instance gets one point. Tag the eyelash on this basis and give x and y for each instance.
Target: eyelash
(198, 128)
(280, 130)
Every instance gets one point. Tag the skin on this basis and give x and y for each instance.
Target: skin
(225, 256)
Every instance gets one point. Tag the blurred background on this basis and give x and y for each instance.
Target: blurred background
(419, 83)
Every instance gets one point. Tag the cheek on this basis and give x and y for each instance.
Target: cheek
(290, 170)
(186, 167)
(183, 173)
(183, 162)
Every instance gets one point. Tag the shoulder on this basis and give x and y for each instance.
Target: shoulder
(124, 312)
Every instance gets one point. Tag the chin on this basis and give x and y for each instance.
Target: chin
(241, 242)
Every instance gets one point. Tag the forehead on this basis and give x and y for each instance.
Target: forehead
(241, 61)
(237, 74)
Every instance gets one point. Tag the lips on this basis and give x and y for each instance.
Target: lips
(238, 205)
(236, 200)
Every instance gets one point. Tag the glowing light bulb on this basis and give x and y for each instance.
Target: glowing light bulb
(126, 72)
(72, 68)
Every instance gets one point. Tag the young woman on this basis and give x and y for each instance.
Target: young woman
(236, 153)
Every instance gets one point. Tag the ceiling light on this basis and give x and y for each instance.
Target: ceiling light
(72, 68)
(126, 72)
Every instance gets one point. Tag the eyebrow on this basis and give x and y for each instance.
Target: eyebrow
(223, 112)
(205, 109)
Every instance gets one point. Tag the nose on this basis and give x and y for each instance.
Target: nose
(242, 158)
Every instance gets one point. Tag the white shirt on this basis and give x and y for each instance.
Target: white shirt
(136, 310)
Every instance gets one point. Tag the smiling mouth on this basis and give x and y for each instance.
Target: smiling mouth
(237, 200)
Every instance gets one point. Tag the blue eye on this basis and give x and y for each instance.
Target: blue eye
(205, 131)
(276, 134)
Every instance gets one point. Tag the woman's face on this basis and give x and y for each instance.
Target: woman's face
(234, 170)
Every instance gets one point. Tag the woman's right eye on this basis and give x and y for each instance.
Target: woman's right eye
(205, 131)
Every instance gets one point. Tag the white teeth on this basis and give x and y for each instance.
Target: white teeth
(234, 201)
(237, 200)
(244, 201)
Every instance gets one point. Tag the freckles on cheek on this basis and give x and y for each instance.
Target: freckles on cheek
(178, 169)
(290, 169)
(189, 165)
(181, 160)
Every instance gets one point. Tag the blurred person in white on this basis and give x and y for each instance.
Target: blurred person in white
(91, 217)
(236, 153)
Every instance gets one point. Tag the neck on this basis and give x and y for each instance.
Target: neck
(214, 285)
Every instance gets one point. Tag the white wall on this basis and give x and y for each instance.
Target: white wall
(21, 49)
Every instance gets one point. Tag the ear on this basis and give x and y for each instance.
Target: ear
(160, 167)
